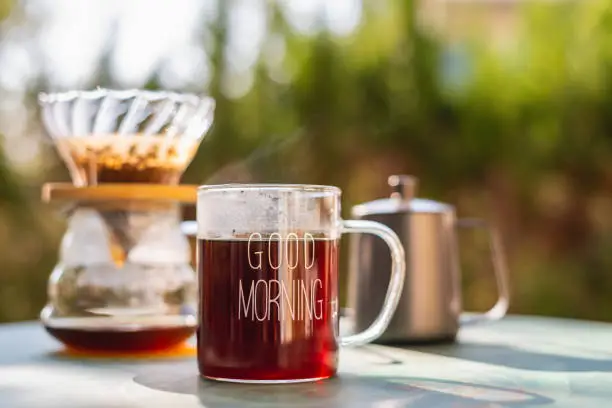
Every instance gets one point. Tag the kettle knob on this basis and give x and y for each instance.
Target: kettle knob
(403, 186)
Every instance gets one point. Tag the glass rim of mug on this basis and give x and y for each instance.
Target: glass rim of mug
(269, 186)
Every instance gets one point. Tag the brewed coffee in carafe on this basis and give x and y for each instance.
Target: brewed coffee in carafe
(124, 280)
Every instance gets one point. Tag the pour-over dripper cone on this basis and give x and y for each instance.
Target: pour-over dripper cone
(133, 136)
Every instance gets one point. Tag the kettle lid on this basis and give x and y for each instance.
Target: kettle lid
(401, 200)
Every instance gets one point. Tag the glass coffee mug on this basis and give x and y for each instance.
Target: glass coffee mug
(268, 282)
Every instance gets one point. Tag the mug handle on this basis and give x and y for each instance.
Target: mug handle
(500, 271)
(189, 228)
(396, 282)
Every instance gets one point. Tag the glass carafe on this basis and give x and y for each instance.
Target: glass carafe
(124, 279)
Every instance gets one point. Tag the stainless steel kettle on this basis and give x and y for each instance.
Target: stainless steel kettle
(430, 308)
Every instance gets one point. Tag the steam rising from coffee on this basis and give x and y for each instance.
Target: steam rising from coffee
(247, 170)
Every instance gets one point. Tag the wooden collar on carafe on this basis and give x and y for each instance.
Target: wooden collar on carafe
(130, 192)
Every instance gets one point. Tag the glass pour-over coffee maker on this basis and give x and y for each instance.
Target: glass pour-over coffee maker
(124, 280)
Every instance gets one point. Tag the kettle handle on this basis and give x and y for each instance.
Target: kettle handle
(500, 269)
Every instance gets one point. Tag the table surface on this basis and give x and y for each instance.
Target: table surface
(520, 361)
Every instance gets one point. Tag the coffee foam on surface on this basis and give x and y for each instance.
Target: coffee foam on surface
(237, 214)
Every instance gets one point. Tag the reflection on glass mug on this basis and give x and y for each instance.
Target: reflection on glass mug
(268, 265)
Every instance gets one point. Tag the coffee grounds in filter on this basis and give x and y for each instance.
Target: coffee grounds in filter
(127, 158)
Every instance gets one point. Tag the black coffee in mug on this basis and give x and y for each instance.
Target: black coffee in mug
(273, 316)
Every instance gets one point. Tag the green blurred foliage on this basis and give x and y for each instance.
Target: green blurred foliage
(518, 133)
